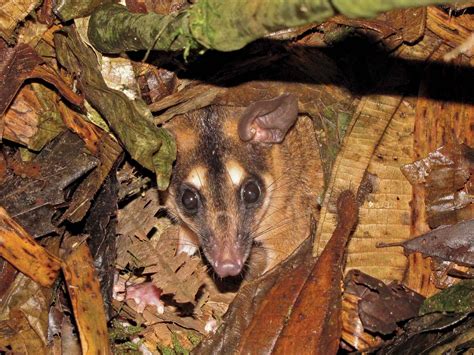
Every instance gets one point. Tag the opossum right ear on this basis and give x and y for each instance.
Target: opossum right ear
(268, 121)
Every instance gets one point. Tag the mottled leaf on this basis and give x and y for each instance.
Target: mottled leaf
(152, 147)
(444, 173)
(71, 9)
(22, 62)
(458, 298)
(108, 153)
(86, 299)
(224, 26)
(33, 119)
(16, 64)
(24, 317)
(13, 12)
(32, 200)
(25, 254)
(155, 83)
(100, 225)
(381, 306)
(452, 243)
(434, 333)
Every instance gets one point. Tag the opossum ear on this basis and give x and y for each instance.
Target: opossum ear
(268, 121)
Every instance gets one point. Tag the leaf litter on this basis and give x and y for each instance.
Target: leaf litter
(61, 189)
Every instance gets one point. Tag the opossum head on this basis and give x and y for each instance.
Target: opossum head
(221, 186)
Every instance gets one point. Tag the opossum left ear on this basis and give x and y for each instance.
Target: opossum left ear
(268, 121)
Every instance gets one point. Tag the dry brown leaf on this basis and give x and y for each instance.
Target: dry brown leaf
(16, 64)
(378, 142)
(380, 29)
(138, 217)
(453, 32)
(89, 133)
(21, 250)
(438, 123)
(367, 127)
(392, 28)
(413, 24)
(45, 12)
(180, 275)
(192, 98)
(46, 73)
(450, 243)
(33, 201)
(316, 314)
(352, 329)
(444, 174)
(371, 308)
(7, 276)
(22, 62)
(32, 119)
(131, 182)
(132, 253)
(299, 300)
(86, 299)
(31, 33)
(24, 311)
(12, 12)
(155, 83)
(186, 322)
(109, 151)
(3, 167)
(382, 306)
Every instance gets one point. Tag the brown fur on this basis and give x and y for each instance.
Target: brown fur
(290, 172)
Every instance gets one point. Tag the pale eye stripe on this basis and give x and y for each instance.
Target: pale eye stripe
(197, 177)
(235, 171)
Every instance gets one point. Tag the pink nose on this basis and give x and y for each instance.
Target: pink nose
(228, 267)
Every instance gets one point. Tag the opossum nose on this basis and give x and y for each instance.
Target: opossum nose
(226, 258)
(228, 267)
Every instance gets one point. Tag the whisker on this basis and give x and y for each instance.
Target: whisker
(277, 180)
(273, 211)
(292, 195)
(285, 251)
(199, 177)
(285, 220)
(277, 238)
(279, 186)
(272, 228)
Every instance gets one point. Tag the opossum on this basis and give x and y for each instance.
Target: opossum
(245, 183)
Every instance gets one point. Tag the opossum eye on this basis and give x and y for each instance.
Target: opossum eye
(250, 192)
(190, 200)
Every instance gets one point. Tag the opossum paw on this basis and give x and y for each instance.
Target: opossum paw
(145, 294)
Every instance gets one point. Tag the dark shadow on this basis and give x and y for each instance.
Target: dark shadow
(226, 284)
(364, 68)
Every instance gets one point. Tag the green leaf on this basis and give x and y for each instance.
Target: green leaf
(458, 298)
(150, 146)
(223, 25)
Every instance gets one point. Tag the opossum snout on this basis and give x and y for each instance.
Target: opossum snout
(226, 260)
